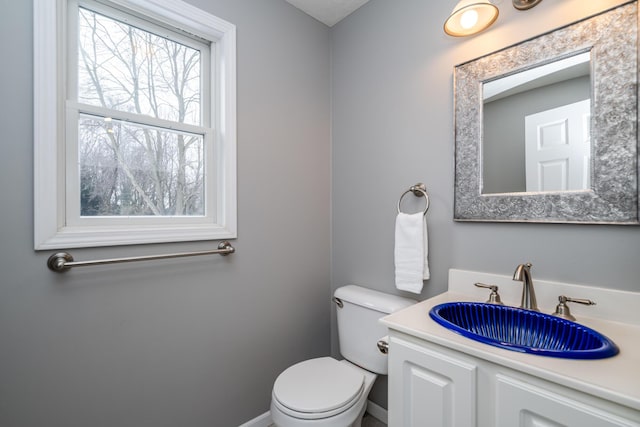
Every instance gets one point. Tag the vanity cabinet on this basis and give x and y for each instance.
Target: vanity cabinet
(432, 385)
(518, 402)
(427, 387)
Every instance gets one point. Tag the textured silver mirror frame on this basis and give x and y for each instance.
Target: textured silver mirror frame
(612, 39)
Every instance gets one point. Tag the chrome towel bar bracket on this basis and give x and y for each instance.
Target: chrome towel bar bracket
(63, 261)
(418, 190)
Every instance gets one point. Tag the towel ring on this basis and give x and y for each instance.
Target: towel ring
(418, 190)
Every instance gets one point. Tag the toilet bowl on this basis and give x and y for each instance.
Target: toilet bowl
(333, 393)
(321, 392)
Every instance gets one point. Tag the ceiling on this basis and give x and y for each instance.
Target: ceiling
(329, 12)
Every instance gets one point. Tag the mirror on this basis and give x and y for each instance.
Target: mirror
(546, 130)
(536, 128)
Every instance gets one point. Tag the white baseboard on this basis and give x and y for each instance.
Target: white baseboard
(263, 420)
(378, 412)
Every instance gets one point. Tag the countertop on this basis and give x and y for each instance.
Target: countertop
(616, 378)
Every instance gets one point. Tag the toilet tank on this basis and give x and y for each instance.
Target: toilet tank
(359, 328)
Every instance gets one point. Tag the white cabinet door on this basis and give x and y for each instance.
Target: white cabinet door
(428, 388)
(520, 404)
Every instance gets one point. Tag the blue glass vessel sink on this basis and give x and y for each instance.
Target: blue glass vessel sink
(523, 330)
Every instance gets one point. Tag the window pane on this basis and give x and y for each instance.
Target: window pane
(128, 69)
(127, 169)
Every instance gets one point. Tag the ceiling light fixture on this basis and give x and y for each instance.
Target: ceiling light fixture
(525, 4)
(472, 16)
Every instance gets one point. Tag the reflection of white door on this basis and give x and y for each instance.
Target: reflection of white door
(558, 148)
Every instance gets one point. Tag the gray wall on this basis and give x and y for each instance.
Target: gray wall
(392, 126)
(190, 342)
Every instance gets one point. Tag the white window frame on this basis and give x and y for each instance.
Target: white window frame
(54, 226)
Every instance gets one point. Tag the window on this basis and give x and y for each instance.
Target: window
(134, 123)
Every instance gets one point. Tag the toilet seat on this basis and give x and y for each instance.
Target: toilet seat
(318, 388)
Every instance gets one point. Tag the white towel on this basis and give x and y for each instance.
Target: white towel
(411, 252)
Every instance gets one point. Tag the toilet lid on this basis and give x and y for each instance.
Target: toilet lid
(318, 385)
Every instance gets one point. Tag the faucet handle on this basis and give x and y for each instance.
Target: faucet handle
(494, 297)
(562, 309)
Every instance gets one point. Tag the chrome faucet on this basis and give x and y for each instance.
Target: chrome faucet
(523, 274)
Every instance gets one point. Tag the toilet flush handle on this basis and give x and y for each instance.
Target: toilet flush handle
(383, 345)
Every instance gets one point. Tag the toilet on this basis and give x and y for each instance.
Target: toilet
(333, 393)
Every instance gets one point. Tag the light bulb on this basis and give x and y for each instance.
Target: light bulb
(468, 19)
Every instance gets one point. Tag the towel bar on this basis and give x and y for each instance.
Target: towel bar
(63, 261)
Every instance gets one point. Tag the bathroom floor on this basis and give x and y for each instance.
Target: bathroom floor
(367, 421)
